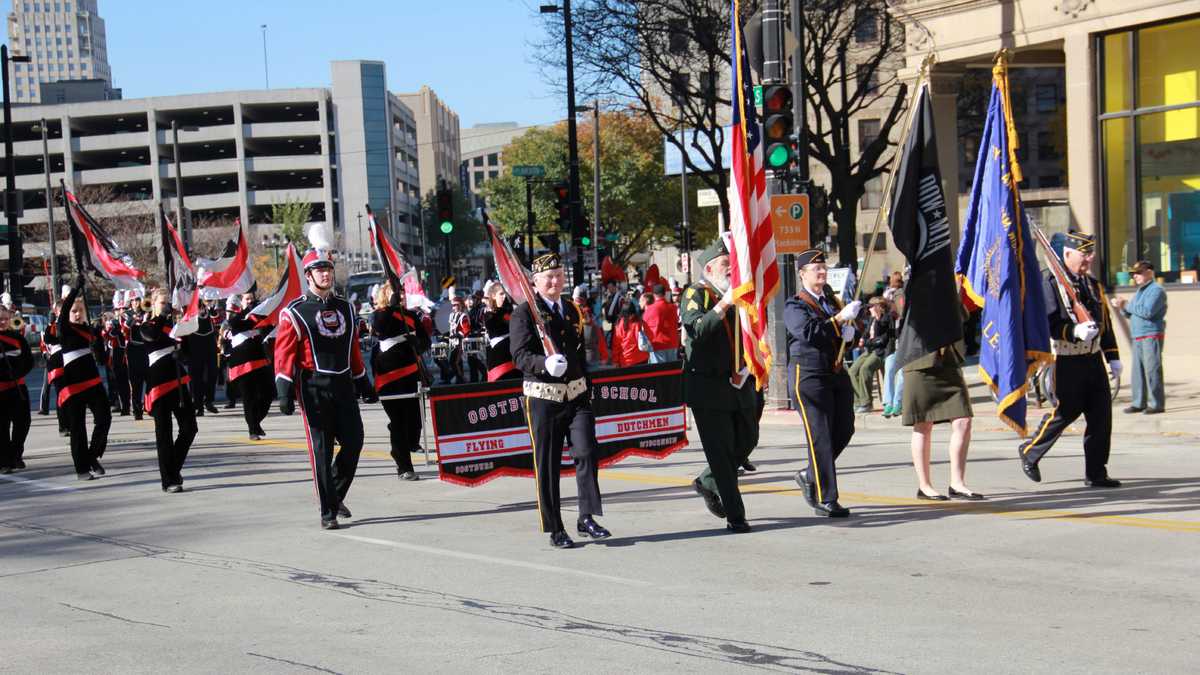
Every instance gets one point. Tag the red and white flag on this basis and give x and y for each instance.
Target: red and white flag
(96, 251)
(754, 274)
(229, 274)
(290, 287)
(180, 278)
(516, 280)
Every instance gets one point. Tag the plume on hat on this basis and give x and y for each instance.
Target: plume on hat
(321, 237)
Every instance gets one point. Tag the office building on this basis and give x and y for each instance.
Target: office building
(64, 39)
(437, 138)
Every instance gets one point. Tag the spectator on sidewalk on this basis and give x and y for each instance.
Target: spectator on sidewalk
(1147, 313)
(893, 376)
(625, 351)
(662, 325)
(877, 337)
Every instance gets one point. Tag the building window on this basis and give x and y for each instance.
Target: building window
(478, 178)
(1149, 176)
(493, 174)
(1048, 146)
(494, 159)
(868, 78)
(866, 27)
(872, 198)
(868, 131)
(477, 161)
(677, 40)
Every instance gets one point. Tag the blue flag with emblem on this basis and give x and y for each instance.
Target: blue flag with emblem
(997, 264)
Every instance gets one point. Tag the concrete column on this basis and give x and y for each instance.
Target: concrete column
(155, 167)
(1082, 185)
(239, 144)
(327, 161)
(944, 83)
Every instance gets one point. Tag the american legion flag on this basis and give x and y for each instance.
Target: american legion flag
(997, 264)
(754, 274)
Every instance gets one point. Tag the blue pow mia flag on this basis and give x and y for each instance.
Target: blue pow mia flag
(921, 230)
(997, 264)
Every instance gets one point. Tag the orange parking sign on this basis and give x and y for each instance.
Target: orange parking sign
(789, 219)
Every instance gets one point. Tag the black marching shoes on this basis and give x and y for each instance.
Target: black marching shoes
(712, 501)
(831, 510)
(560, 539)
(343, 512)
(588, 527)
(1031, 470)
(1104, 482)
(806, 484)
(739, 526)
(331, 524)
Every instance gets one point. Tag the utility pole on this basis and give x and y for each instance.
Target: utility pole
(266, 73)
(529, 220)
(12, 206)
(50, 214)
(596, 180)
(683, 194)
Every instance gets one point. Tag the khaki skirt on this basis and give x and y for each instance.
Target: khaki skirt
(935, 394)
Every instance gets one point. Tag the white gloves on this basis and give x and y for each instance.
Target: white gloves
(849, 311)
(1085, 332)
(848, 332)
(1116, 367)
(725, 302)
(556, 365)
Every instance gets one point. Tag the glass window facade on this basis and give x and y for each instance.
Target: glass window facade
(1150, 148)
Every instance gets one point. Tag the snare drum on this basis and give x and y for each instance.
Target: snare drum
(440, 349)
(475, 346)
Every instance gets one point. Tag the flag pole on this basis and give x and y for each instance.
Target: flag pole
(71, 225)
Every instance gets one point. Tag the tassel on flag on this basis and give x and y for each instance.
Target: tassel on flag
(229, 274)
(96, 251)
(290, 287)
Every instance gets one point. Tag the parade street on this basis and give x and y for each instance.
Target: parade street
(235, 574)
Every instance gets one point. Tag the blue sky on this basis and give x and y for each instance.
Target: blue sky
(473, 53)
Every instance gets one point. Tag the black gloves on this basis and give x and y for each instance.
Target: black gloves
(287, 396)
(365, 391)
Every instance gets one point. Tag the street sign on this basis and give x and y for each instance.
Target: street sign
(758, 97)
(707, 197)
(789, 219)
(685, 262)
(589, 259)
(529, 170)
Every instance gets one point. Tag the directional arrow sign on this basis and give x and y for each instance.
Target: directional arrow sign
(789, 219)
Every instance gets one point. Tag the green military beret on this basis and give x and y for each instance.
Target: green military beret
(714, 250)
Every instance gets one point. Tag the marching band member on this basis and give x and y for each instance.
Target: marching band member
(118, 364)
(557, 400)
(459, 329)
(135, 350)
(716, 387)
(500, 364)
(166, 393)
(79, 388)
(817, 382)
(16, 360)
(317, 359)
(402, 339)
(249, 371)
(202, 359)
(1080, 352)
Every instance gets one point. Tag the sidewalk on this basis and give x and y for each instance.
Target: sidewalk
(1182, 416)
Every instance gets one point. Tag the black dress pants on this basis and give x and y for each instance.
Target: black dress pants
(1081, 384)
(826, 405)
(173, 450)
(256, 389)
(118, 375)
(84, 454)
(404, 428)
(202, 366)
(329, 404)
(21, 421)
(728, 436)
(550, 422)
(14, 425)
(138, 362)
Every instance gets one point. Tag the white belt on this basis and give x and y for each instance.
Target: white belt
(78, 353)
(13, 352)
(159, 353)
(388, 343)
(242, 337)
(553, 391)
(497, 340)
(54, 349)
(1067, 348)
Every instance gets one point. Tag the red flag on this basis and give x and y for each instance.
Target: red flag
(609, 271)
(230, 274)
(96, 251)
(395, 266)
(516, 280)
(290, 287)
(754, 274)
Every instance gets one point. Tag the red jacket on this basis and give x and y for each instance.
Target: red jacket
(662, 324)
(625, 350)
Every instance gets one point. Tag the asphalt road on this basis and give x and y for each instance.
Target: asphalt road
(235, 575)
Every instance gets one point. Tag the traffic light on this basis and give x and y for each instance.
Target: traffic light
(550, 241)
(777, 127)
(581, 234)
(562, 205)
(445, 208)
(683, 237)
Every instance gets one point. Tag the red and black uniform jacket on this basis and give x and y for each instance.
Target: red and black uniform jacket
(401, 339)
(162, 351)
(115, 340)
(246, 352)
(16, 360)
(318, 336)
(499, 353)
(79, 372)
(52, 351)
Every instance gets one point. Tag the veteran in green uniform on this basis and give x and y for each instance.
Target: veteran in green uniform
(717, 387)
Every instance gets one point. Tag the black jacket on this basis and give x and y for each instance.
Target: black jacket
(884, 339)
(566, 334)
(1062, 321)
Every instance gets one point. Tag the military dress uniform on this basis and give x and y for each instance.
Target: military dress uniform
(820, 389)
(557, 407)
(1080, 380)
(318, 361)
(726, 415)
(396, 364)
(16, 360)
(167, 397)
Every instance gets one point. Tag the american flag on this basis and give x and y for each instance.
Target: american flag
(754, 274)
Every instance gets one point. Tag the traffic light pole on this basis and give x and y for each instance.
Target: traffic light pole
(15, 253)
(529, 220)
(572, 144)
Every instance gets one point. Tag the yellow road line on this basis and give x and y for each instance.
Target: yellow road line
(1005, 511)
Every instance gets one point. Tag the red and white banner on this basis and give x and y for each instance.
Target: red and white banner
(229, 274)
(97, 251)
(291, 286)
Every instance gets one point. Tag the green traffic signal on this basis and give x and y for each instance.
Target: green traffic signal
(778, 156)
(447, 227)
(585, 240)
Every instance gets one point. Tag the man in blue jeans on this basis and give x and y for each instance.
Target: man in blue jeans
(1147, 313)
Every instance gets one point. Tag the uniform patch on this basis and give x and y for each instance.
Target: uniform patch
(331, 323)
(692, 305)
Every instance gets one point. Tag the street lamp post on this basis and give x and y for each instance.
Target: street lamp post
(16, 254)
(185, 228)
(49, 212)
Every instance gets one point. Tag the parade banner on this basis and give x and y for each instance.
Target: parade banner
(481, 432)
